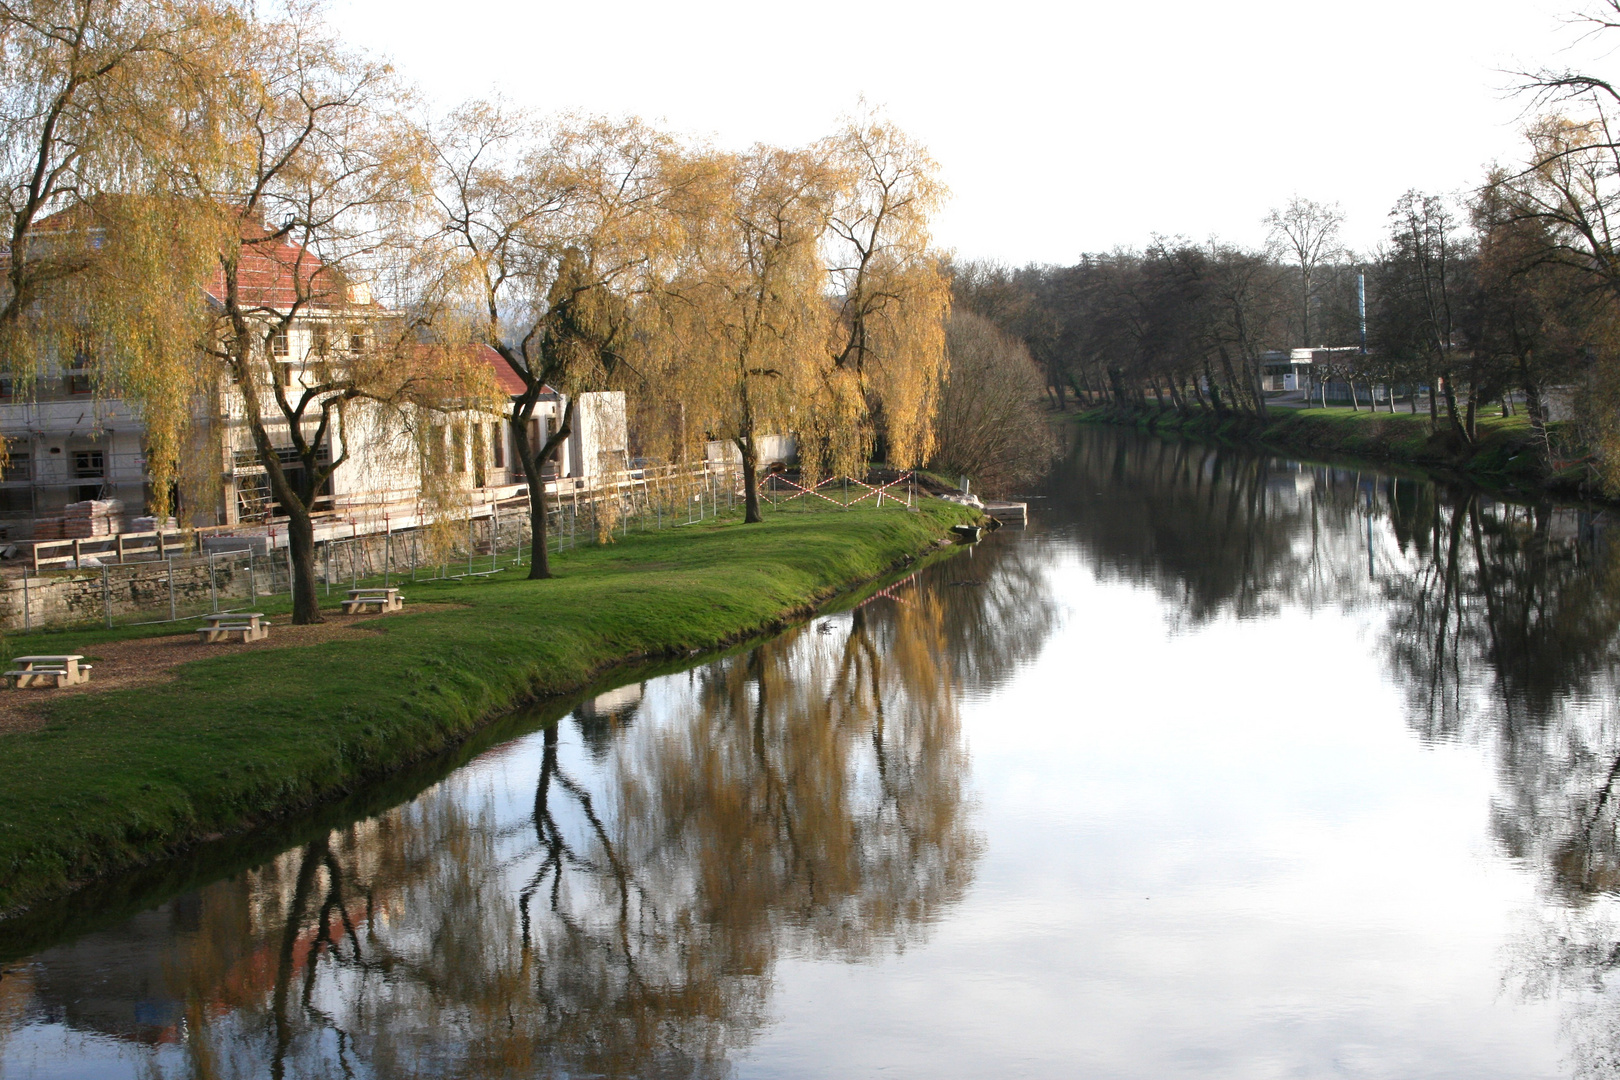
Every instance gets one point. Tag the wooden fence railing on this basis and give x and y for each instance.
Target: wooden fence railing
(120, 546)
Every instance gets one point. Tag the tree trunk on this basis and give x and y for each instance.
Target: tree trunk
(1451, 409)
(539, 553)
(750, 464)
(1214, 391)
(534, 465)
(1232, 378)
(301, 542)
(296, 494)
(1535, 409)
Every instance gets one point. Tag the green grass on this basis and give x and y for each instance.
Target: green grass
(119, 779)
(1505, 450)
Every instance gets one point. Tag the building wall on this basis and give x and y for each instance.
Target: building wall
(773, 449)
(65, 447)
(55, 440)
(599, 442)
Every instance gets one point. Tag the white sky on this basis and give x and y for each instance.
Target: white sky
(1059, 128)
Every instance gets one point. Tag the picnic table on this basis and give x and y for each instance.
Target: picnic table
(237, 626)
(49, 670)
(381, 599)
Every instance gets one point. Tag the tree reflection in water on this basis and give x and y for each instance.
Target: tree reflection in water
(622, 916)
(1498, 621)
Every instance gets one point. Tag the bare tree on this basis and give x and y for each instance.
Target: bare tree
(1307, 232)
(991, 424)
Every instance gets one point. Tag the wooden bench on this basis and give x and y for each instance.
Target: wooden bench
(48, 671)
(383, 600)
(238, 626)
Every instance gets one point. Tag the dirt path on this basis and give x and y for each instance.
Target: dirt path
(123, 665)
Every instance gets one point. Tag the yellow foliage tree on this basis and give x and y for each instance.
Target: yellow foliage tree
(99, 101)
(553, 235)
(747, 307)
(885, 356)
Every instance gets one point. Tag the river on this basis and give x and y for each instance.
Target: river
(1226, 766)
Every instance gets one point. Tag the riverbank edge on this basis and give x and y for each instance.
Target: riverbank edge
(87, 825)
(1504, 456)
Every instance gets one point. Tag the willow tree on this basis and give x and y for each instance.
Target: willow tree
(314, 216)
(748, 307)
(103, 245)
(885, 355)
(551, 236)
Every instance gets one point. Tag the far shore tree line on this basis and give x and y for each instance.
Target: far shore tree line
(158, 154)
(1494, 298)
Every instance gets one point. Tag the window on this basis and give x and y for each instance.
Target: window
(7, 390)
(322, 344)
(89, 464)
(18, 463)
(284, 373)
(497, 445)
(357, 341)
(278, 342)
(78, 382)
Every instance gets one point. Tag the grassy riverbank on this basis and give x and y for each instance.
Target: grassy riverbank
(1505, 452)
(116, 779)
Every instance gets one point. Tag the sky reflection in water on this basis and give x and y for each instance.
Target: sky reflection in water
(1226, 767)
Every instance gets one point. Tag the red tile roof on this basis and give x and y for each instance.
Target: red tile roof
(268, 269)
(509, 380)
(269, 272)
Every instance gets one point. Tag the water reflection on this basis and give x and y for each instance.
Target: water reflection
(1497, 610)
(621, 894)
(605, 897)
(1497, 621)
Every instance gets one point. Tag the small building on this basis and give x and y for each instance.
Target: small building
(1281, 372)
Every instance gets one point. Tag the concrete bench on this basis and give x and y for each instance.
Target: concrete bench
(236, 627)
(381, 600)
(55, 671)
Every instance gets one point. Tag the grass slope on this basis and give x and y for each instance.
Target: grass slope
(1505, 451)
(118, 779)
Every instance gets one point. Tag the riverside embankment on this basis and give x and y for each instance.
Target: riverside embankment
(1505, 452)
(98, 782)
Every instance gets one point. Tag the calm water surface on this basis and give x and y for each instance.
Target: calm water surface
(1226, 767)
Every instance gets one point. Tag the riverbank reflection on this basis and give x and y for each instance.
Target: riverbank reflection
(607, 896)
